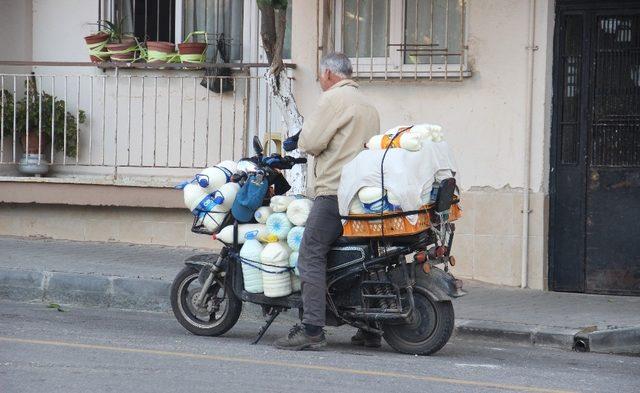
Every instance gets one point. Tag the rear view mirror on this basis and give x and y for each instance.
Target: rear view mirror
(257, 146)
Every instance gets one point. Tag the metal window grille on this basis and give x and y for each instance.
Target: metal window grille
(405, 39)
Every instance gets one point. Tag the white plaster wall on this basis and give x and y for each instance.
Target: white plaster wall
(15, 44)
(59, 27)
(15, 30)
(484, 115)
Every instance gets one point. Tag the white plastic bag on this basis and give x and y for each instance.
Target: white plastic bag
(298, 211)
(275, 281)
(279, 225)
(279, 203)
(294, 238)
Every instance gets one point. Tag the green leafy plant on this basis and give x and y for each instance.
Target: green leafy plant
(114, 29)
(51, 116)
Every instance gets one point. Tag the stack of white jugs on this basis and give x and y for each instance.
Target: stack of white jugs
(280, 228)
(211, 194)
(411, 137)
(371, 200)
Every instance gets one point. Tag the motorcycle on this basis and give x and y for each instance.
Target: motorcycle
(398, 287)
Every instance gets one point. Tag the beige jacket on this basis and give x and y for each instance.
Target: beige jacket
(336, 132)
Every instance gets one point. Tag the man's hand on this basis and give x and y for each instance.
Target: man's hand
(291, 143)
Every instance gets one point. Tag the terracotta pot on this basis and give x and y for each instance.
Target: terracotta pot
(33, 142)
(120, 46)
(192, 48)
(96, 38)
(162, 47)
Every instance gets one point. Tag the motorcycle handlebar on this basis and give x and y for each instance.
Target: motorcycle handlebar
(300, 160)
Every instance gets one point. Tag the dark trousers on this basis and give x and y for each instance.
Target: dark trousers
(322, 229)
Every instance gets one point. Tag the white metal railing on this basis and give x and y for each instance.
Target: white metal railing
(111, 121)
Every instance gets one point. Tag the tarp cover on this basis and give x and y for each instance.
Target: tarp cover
(407, 174)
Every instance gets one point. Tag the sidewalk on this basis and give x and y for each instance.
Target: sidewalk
(138, 277)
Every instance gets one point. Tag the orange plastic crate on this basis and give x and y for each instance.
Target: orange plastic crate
(356, 226)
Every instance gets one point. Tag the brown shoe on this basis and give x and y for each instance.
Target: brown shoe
(298, 340)
(365, 339)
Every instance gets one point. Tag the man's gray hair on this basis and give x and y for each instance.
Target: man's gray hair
(338, 63)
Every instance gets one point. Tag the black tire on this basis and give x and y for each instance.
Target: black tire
(184, 310)
(431, 328)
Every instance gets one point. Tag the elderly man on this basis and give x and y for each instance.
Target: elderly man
(334, 134)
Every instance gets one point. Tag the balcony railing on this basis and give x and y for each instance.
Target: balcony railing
(124, 123)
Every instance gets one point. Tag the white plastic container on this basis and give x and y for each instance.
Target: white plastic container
(228, 193)
(214, 219)
(226, 234)
(293, 262)
(298, 211)
(394, 201)
(193, 194)
(279, 225)
(262, 214)
(374, 199)
(275, 281)
(356, 207)
(406, 140)
(229, 165)
(279, 203)
(251, 251)
(214, 177)
(296, 285)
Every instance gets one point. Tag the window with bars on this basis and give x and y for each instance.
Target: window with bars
(402, 38)
(173, 20)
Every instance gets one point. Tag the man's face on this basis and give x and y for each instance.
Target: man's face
(328, 79)
(324, 80)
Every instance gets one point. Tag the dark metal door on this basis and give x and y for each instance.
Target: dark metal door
(595, 190)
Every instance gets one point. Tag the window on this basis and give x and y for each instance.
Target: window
(173, 20)
(402, 38)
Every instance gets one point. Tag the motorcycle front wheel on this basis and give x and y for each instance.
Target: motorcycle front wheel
(430, 328)
(216, 316)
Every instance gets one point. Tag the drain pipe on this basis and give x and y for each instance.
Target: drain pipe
(531, 48)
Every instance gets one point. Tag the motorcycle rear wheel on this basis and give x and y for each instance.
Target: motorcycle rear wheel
(431, 327)
(204, 321)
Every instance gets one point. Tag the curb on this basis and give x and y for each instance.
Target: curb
(535, 335)
(153, 295)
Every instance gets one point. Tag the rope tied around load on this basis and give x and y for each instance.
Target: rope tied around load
(256, 265)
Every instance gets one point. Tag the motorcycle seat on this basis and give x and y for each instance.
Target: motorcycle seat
(344, 241)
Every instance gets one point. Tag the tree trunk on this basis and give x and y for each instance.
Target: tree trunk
(272, 32)
(282, 95)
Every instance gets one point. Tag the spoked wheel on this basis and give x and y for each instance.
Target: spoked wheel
(430, 328)
(218, 314)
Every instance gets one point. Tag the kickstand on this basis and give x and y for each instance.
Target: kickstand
(273, 315)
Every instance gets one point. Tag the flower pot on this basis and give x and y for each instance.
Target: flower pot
(192, 52)
(160, 51)
(33, 142)
(33, 164)
(125, 51)
(97, 46)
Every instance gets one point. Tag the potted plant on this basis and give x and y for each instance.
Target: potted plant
(193, 52)
(51, 116)
(97, 44)
(161, 52)
(121, 46)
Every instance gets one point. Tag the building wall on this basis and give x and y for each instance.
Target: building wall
(484, 122)
(483, 117)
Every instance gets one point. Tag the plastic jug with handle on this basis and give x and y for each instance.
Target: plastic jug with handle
(250, 254)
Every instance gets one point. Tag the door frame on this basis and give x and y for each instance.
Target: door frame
(562, 8)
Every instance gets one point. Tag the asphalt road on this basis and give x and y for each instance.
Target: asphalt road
(98, 350)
